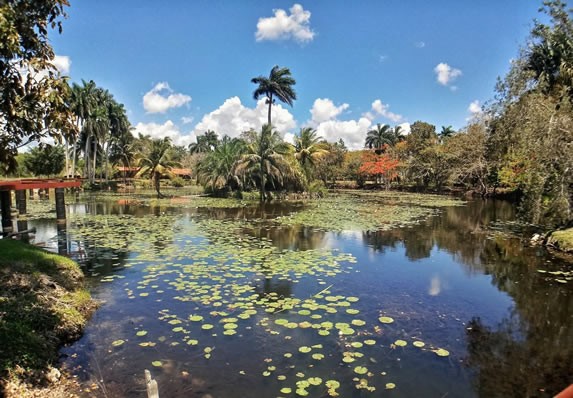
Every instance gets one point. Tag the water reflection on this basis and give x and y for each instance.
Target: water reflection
(526, 351)
(530, 352)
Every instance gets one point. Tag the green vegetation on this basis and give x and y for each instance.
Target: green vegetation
(43, 305)
(563, 240)
(521, 143)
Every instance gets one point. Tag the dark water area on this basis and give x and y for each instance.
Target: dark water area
(455, 281)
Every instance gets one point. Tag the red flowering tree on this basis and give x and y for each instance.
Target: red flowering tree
(381, 168)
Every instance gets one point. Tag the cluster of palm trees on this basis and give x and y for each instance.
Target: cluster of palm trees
(103, 129)
(260, 159)
(382, 136)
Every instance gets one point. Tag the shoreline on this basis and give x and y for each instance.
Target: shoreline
(43, 305)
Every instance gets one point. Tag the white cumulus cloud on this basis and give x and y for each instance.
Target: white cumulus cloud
(405, 128)
(167, 129)
(474, 107)
(445, 74)
(283, 26)
(353, 132)
(161, 98)
(323, 109)
(232, 118)
(381, 109)
(62, 63)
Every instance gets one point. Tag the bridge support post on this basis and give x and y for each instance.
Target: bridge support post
(60, 205)
(5, 206)
(21, 201)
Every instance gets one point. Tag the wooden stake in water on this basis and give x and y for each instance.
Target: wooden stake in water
(152, 389)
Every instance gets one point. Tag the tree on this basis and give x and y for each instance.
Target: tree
(380, 136)
(446, 132)
(265, 160)
(155, 160)
(205, 143)
(45, 160)
(470, 166)
(381, 167)
(277, 85)
(530, 140)
(216, 170)
(33, 102)
(309, 148)
(329, 166)
(81, 102)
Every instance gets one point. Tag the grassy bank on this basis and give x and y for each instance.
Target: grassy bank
(42, 305)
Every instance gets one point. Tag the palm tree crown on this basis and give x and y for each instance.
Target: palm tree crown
(277, 85)
(265, 159)
(380, 136)
(309, 147)
(155, 159)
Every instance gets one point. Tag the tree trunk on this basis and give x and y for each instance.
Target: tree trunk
(67, 152)
(157, 184)
(74, 153)
(263, 193)
(87, 158)
(95, 161)
(270, 100)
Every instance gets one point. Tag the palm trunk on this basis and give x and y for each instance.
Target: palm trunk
(157, 184)
(94, 161)
(74, 154)
(87, 157)
(270, 99)
(263, 193)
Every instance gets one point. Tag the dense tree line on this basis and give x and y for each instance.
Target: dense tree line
(521, 142)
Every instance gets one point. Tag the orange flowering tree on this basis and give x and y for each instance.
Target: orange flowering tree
(382, 168)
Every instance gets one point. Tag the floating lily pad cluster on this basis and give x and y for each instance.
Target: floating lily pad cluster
(209, 277)
(368, 211)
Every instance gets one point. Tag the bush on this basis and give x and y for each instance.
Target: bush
(177, 182)
(317, 189)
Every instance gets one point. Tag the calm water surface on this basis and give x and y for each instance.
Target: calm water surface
(447, 281)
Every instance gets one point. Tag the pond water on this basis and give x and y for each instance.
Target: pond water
(231, 302)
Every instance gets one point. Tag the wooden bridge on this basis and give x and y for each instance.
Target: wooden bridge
(20, 187)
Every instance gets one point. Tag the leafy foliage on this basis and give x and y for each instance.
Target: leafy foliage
(45, 160)
(33, 104)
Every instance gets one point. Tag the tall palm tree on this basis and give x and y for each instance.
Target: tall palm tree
(380, 136)
(155, 160)
(309, 147)
(119, 129)
(277, 85)
(265, 160)
(82, 102)
(216, 170)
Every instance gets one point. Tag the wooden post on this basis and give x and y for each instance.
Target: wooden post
(62, 238)
(21, 201)
(60, 205)
(31, 193)
(5, 205)
(152, 389)
(23, 230)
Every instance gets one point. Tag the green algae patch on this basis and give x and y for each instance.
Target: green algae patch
(43, 305)
(562, 240)
(368, 211)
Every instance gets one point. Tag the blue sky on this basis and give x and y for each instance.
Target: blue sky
(181, 67)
